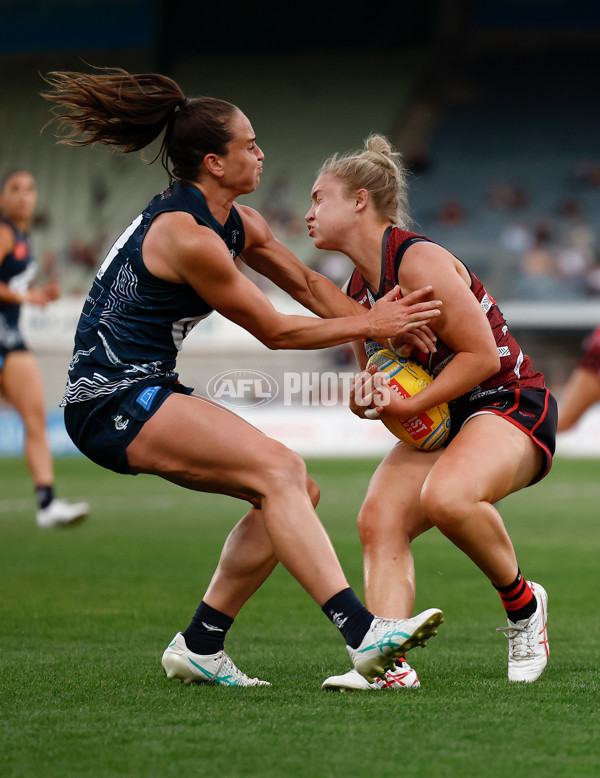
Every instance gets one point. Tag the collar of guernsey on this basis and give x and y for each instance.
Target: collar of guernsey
(181, 196)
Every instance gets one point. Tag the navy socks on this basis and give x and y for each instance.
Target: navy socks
(44, 495)
(207, 630)
(208, 627)
(349, 615)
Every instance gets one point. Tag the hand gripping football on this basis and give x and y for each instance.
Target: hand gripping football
(426, 431)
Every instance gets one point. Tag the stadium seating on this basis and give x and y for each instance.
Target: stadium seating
(305, 107)
(531, 122)
(299, 118)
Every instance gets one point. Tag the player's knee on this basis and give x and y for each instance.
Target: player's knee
(372, 523)
(284, 469)
(442, 504)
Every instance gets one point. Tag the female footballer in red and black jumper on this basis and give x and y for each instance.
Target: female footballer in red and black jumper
(20, 378)
(124, 406)
(582, 389)
(503, 418)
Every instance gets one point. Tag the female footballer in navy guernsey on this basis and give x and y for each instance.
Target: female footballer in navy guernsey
(124, 405)
(503, 417)
(20, 378)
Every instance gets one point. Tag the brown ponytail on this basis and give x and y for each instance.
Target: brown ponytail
(128, 112)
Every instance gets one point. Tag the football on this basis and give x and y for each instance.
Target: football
(427, 431)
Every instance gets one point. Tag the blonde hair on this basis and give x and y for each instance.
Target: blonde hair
(378, 169)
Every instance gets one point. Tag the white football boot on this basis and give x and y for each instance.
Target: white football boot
(528, 647)
(217, 669)
(401, 676)
(60, 513)
(387, 639)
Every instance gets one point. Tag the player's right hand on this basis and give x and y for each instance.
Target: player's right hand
(390, 316)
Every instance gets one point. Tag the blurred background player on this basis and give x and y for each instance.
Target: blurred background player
(20, 378)
(582, 389)
(503, 417)
(124, 406)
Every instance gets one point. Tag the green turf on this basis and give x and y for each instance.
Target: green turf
(86, 613)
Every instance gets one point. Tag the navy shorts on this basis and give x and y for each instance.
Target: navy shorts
(103, 428)
(534, 411)
(16, 344)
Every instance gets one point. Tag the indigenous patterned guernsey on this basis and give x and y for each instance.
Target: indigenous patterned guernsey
(133, 323)
(17, 271)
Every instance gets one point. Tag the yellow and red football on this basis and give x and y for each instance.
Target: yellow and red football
(427, 431)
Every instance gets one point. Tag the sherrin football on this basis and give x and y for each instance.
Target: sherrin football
(426, 431)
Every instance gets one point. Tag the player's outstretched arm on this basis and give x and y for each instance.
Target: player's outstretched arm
(206, 265)
(271, 258)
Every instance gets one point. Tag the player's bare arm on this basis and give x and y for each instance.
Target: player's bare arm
(178, 250)
(462, 324)
(271, 258)
(40, 296)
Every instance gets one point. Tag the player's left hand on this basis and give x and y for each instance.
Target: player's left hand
(383, 400)
(370, 393)
(423, 339)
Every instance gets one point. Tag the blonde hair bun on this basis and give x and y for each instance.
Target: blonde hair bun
(378, 169)
(379, 150)
(379, 144)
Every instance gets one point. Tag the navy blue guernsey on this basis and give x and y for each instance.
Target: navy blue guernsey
(17, 270)
(133, 323)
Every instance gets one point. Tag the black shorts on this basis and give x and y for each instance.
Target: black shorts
(103, 428)
(16, 344)
(533, 411)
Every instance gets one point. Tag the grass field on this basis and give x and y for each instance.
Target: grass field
(86, 613)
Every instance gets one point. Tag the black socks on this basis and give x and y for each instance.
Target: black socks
(349, 615)
(44, 495)
(208, 627)
(207, 630)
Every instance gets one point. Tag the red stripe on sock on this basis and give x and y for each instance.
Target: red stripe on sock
(520, 602)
